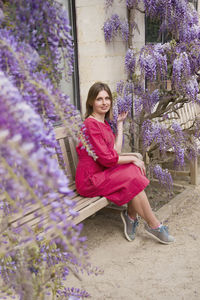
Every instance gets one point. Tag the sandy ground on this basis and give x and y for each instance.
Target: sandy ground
(144, 268)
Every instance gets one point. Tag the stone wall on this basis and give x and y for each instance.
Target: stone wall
(98, 61)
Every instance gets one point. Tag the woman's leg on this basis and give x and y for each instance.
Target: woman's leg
(140, 205)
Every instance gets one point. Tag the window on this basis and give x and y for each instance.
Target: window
(153, 34)
(195, 3)
(71, 87)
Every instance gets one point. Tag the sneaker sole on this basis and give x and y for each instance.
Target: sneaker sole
(157, 239)
(126, 235)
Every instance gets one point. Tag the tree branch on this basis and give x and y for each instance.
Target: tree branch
(140, 10)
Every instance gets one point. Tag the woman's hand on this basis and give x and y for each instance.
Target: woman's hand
(119, 136)
(122, 116)
(139, 163)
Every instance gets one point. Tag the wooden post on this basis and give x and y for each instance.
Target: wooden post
(193, 170)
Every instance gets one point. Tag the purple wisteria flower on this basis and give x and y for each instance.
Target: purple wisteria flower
(31, 36)
(181, 69)
(123, 101)
(192, 88)
(114, 26)
(108, 3)
(178, 144)
(177, 17)
(45, 32)
(153, 62)
(120, 87)
(108, 30)
(130, 61)
(156, 133)
(125, 30)
(132, 3)
(146, 102)
(164, 177)
(194, 55)
(171, 70)
(138, 106)
(1, 16)
(111, 27)
(22, 132)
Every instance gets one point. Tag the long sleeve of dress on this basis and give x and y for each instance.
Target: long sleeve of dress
(104, 149)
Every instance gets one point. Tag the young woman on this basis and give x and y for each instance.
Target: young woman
(120, 178)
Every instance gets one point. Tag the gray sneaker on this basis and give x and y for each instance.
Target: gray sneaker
(129, 226)
(161, 234)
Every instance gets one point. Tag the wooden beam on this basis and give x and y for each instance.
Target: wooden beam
(194, 171)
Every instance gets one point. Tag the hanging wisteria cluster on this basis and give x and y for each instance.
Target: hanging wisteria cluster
(164, 77)
(108, 3)
(45, 27)
(177, 17)
(158, 133)
(146, 101)
(132, 3)
(32, 37)
(114, 26)
(123, 102)
(164, 177)
(181, 69)
(153, 62)
(130, 62)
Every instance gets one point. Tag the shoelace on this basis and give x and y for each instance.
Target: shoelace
(135, 223)
(164, 228)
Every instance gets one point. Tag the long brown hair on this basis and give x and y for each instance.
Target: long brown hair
(92, 95)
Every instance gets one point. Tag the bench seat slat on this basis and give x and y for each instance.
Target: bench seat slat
(32, 220)
(85, 207)
(86, 211)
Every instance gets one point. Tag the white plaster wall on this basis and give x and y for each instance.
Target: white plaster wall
(98, 61)
(139, 33)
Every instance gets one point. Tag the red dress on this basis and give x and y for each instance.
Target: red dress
(104, 177)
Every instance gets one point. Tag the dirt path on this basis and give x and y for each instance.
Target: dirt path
(146, 269)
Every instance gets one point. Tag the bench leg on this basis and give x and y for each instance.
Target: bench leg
(194, 171)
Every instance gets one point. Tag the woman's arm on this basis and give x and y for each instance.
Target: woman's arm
(125, 159)
(119, 136)
(138, 155)
(107, 156)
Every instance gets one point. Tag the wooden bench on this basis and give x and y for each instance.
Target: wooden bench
(187, 115)
(85, 207)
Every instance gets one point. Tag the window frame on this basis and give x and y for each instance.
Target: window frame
(75, 75)
(195, 3)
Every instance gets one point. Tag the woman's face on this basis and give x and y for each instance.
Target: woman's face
(102, 103)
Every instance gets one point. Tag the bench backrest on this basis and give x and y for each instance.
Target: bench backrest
(188, 113)
(68, 160)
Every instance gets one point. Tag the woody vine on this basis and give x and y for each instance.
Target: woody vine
(161, 79)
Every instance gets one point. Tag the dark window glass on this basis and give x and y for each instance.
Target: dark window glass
(71, 87)
(195, 3)
(152, 34)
